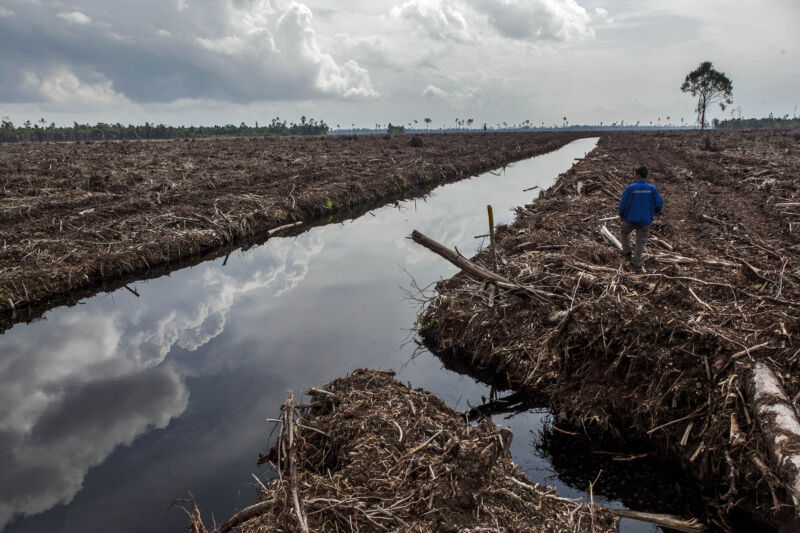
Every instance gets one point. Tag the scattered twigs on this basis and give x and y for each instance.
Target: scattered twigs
(674, 522)
(747, 351)
(244, 515)
(284, 227)
(714, 220)
(769, 476)
(696, 412)
(701, 302)
(132, 290)
(195, 519)
(662, 242)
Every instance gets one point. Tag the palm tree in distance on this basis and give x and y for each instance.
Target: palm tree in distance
(427, 123)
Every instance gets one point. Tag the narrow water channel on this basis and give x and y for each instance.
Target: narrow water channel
(114, 407)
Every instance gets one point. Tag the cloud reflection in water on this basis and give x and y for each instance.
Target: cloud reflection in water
(93, 377)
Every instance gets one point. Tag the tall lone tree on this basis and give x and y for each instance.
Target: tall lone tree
(709, 86)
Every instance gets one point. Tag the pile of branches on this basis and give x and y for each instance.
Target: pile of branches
(368, 453)
(677, 353)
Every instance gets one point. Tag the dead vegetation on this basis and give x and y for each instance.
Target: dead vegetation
(368, 453)
(665, 354)
(74, 216)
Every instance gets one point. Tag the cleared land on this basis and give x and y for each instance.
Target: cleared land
(668, 355)
(81, 217)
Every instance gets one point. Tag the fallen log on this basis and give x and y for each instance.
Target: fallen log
(665, 520)
(471, 268)
(779, 426)
(461, 262)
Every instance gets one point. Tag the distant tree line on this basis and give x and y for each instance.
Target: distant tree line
(41, 131)
(768, 123)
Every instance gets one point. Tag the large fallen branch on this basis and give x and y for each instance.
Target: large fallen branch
(665, 520)
(471, 268)
(779, 425)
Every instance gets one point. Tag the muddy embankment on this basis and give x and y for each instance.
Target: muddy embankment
(689, 355)
(81, 217)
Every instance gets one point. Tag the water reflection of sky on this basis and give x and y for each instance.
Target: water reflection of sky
(183, 376)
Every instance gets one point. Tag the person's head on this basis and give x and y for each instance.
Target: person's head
(641, 172)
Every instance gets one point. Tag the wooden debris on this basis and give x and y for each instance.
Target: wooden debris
(442, 475)
(663, 354)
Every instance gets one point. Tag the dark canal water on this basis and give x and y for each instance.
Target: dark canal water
(112, 408)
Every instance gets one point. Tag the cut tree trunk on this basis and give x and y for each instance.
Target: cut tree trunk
(779, 426)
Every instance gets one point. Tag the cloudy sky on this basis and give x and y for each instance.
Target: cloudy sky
(376, 61)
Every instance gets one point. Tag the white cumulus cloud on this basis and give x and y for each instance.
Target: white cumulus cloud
(76, 17)
(297, 38)
(438, 19)
(526, 20)
(546, 20)
(63, 85)
(433, 91)
(282, 44)
(458, 99)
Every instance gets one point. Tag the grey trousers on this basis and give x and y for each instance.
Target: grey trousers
(641, 237)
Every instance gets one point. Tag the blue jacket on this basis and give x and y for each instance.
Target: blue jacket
(639, 203)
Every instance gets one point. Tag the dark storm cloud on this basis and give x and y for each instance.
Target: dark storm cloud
(237, 51)
(48, 465)
(91, 410)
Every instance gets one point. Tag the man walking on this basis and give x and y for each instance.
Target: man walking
(639, 204)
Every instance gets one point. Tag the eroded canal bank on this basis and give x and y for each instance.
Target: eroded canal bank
(696, 354)
(127, 402)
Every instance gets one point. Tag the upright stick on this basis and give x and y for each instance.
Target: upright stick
(491, 238)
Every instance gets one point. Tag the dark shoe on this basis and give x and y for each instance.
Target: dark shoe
(627, 255)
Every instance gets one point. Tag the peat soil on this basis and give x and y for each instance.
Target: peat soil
(658, 355)
(82, 217)
(368, 453)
